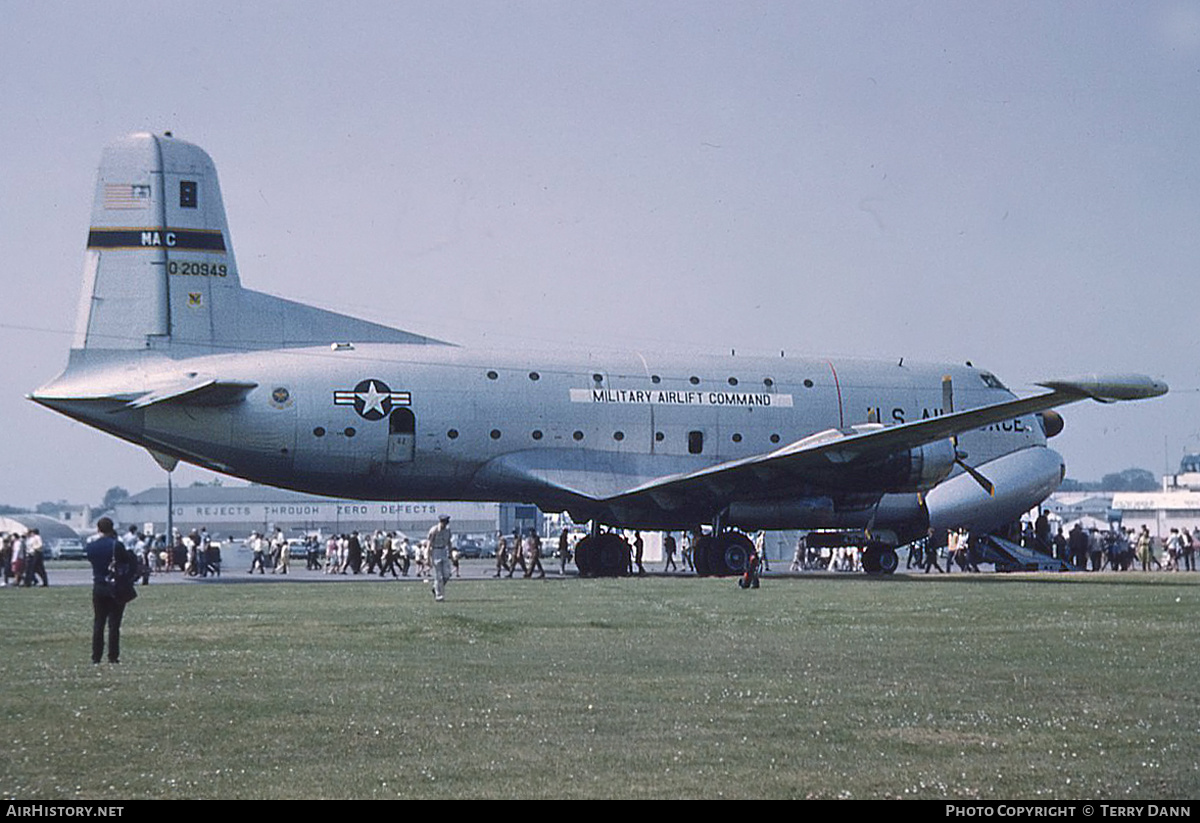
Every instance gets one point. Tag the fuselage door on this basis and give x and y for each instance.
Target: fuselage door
(402, 435)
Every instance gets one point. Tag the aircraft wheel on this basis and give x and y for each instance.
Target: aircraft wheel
(700, 555)
(731, 554)
(585, 556)
(888, 561)
(871, 560)
(613, 555)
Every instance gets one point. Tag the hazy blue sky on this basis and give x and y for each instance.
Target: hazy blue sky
(1017, 184)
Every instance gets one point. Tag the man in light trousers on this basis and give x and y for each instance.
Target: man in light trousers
(439, 556)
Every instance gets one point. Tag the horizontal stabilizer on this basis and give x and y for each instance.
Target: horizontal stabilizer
(211, 392)
(190, 389)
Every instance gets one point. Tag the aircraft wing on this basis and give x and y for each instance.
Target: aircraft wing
(799, 462)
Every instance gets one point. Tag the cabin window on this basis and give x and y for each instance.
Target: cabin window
(808, 384)
(537, 434)
(695, 442)
(534, 376)
(492, 375)
(578, 435)
(350, 431)
(694, 380)
(319, 431)
(599, 378)
(774, 438)
(990, 380)
(737, 438)
(768, 382)
(655, 379)
(495, 434)
(733, 381)
(452, 434)
(659, 437)
(618, 436)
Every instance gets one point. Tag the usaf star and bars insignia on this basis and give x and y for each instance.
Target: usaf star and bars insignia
(372, 399)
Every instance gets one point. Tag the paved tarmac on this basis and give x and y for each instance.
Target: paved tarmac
(236, 572)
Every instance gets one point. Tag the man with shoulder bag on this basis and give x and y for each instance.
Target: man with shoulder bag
(114, 570)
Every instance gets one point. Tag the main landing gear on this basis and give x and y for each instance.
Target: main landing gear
(879, 558)
(722, 554)
(604, 554)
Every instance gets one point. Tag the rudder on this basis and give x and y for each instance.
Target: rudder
(159, 258)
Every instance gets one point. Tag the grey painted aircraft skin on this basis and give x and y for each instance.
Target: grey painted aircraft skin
(173, 354)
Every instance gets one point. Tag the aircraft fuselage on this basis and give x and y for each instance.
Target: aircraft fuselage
(431, 422)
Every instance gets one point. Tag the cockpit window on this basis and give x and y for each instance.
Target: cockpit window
(991, 381)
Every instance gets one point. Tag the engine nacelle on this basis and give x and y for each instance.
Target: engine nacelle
(930, 464)
(913, 470)
(1022, 479)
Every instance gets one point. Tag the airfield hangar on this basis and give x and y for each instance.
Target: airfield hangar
(238, 510)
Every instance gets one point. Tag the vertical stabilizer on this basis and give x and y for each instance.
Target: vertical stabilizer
(158, 252)
(160, 272)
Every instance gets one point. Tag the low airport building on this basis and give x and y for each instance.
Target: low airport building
(1177, 506)
(238, 510)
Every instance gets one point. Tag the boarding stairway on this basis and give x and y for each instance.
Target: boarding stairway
(1011, 557)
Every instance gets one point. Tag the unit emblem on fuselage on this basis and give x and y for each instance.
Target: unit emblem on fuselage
(372, 399)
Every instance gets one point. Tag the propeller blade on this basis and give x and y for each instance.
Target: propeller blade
(987, 485)
(948, 403)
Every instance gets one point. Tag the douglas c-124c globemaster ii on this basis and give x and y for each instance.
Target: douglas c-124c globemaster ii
(171, 353)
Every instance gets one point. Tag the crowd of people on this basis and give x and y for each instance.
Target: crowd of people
(391, 553)
(1115, 548)
(526, 552)
(1125, 549)
(379, 552)
(23, 557)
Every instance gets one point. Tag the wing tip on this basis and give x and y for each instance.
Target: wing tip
(1110, 388)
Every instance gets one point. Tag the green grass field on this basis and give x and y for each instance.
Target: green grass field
(971, 687)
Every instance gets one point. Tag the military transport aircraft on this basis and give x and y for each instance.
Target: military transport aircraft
(173, 354)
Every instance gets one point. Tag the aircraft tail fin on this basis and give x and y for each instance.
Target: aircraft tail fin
(160, 272)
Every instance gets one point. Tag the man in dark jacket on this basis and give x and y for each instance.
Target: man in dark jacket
(108, 603)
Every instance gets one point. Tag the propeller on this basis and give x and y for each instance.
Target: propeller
(960, 457)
